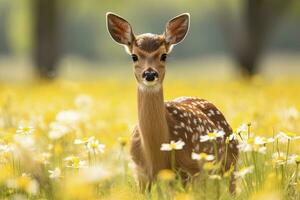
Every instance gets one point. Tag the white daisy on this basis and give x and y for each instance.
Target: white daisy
(285, 137)
(25, 130)
(75, 162)
(244, 171)
(95, 146)
(212, 136)
(202, 156)
(172, 146)
(55, 174)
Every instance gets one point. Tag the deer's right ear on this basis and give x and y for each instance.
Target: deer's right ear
(119, 29)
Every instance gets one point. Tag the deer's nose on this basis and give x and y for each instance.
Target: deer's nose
(150, 75)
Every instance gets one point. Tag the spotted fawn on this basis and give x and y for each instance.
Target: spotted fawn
(184, 118)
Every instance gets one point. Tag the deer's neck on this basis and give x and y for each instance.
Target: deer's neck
(153, 127)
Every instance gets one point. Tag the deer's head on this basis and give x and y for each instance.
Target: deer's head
(148, 51)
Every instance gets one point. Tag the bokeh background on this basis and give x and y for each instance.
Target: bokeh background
(64, 38)
(63, 79)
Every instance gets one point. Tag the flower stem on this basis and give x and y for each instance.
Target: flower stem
(124, 162)
(216, 150)
(89, 156)
(173, 159)
(282, 176)
(218, 189)
(249, 131)
(296, 173)
(287, 152)
(95, 157)
(226, 152)
(255, 167)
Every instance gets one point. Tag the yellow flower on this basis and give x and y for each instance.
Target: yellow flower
(182, 196)
(122, 141)
(58, 149)
(229, 172)
(298, 185)
(25, 183)
(166, 175)
(210, 166)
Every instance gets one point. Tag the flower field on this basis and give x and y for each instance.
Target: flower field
(70, 140)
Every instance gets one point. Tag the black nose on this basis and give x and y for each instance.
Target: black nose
(150, 75)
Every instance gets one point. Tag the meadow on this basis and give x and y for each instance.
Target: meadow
(69, 139)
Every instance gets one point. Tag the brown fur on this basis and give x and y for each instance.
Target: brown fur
(149, 43)
(185, 119)
(151, 132)
(184, 161)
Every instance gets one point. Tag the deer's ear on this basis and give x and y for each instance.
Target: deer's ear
(119, 29)
(177, 28)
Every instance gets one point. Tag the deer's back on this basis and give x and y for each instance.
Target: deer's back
(190, 118)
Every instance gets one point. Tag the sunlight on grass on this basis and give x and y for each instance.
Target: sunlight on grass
(69, 140)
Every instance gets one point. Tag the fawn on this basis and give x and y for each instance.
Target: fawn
(184, 118)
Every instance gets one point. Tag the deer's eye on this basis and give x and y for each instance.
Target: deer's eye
(163, 57)
(134, 57)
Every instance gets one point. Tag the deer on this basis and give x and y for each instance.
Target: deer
(159, 121)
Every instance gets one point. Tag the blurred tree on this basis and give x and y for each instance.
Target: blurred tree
(248, 38)
(46, 37)
(4, 47)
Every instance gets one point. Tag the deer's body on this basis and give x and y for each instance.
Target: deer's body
(184, 118)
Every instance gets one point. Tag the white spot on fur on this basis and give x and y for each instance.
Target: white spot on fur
(177, 127)
(202, 128)
(195, 121)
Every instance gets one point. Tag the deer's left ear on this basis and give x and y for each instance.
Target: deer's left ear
(177, 28)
